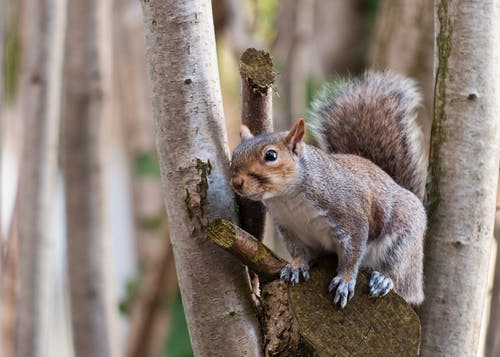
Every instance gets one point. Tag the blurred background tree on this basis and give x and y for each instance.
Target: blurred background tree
(310, 40)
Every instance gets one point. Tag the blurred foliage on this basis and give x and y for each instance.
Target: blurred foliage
(146, 164)
(153, 223)
(12, 62)
(370, 6)
(131, 289)
(264, 24)
(177, 343)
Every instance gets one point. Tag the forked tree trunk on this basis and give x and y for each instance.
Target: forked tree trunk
(193, 156)
(41, 104)
(463, 175)
(87, 82)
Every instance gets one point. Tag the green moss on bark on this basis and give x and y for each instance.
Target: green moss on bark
(438, 134)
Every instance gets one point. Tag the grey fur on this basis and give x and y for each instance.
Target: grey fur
(376, 111)
(343, 203)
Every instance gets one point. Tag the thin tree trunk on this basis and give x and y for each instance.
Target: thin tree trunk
(41, 103)
(404, 42)
(134, 110)
(463, 176)
(193, 155)
(2, 47)
(296, 57)
(339, 40)
(9, 301)
(151, 304)
(86, 106)
(148, 318)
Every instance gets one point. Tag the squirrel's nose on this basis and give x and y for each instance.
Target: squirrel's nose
(237, 182)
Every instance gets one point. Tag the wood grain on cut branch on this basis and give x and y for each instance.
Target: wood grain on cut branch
(301, 320)
(257, 78)
(247, 248)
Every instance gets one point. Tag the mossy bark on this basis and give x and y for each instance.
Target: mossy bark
(463, 175)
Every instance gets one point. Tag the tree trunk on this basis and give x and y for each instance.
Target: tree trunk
(41, 103)
(296, 24)
(148, 317)
(340, 42)
(86, 106)
(404, 42)
(463, 176)
(193, 155)
(2, 47)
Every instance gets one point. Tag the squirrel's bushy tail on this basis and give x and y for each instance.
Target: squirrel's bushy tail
(374, 116)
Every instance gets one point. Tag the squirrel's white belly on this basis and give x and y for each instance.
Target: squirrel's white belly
(309, 224)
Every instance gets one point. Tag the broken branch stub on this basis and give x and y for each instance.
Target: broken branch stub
(247, 248)
(257, 78)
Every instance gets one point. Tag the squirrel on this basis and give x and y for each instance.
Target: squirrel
(358, 195)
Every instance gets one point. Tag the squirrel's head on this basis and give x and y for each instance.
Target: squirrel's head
(265, 166)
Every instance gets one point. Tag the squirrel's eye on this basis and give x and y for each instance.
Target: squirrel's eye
(271, 155)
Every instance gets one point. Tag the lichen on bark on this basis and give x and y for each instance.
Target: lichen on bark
(196, 188)
(438, 134)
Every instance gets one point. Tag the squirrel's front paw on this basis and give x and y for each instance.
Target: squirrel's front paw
(344, 290)
(379, 284)
(291, 273)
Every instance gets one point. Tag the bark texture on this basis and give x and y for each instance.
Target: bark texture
(41, 103)
(463, 175)
(193, 156)
(257, 78)
(87, 82)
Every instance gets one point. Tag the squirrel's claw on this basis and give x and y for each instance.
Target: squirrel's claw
(379, 284)
(344, 290)
(291, 274)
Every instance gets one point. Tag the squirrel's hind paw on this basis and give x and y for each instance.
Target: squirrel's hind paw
(379, 284)
(344, 290)
(291, 274)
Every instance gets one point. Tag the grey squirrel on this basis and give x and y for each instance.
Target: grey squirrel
(358, 196)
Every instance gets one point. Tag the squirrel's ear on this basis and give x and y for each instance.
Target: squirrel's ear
(245, 133)
(296, 135)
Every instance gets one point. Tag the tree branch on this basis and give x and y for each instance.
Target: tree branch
(301, 319)
(257, 78)
(247, 248)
